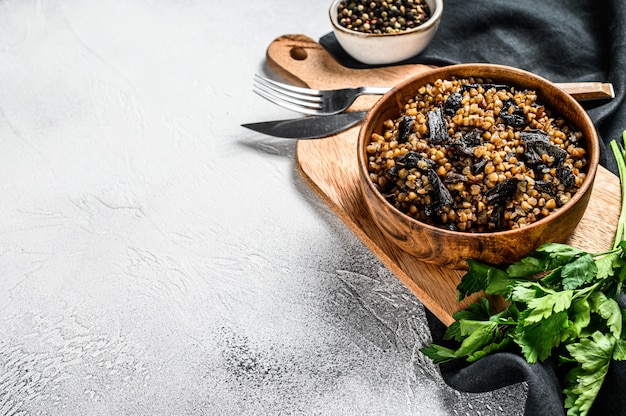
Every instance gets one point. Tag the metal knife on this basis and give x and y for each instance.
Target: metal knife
(308, 127)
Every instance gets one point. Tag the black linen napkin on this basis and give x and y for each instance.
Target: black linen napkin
(574, 40)
(579, 40)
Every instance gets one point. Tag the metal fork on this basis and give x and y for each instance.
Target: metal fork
(309, 101)
(327, 102)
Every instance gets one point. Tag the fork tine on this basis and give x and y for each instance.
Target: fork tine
(306, 100)
(293, 88)
(287, 94)
(290, 105)
(264, 91)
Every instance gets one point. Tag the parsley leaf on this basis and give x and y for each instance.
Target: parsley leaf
(490, 349)
(608, 309)
(548, 256)
(554, 278)
(558, 254)
(527, 266)
(579, 271)
(477, 278)
(475, 311)
(501, 285)
(593, 356)
(479, 334)
(538, 339)
(607, 264)
(580, 316)
(527, 291)
(439, 354)
(543, 307)
(619, 352)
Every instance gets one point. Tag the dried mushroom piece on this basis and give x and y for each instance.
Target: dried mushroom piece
(503, 192)
(545, 187)
(468, 141)
(537, 144)
(528, 136)
(479, 166)
(438, 130)
(497, 217)
(565, 176)
(453, 103)
(405, 129)
(441, 194)
(414, 160)
(454, 177)
(511, 114)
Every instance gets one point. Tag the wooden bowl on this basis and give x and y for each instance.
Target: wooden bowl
(442, 247)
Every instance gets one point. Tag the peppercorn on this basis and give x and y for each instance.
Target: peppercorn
(381, 16)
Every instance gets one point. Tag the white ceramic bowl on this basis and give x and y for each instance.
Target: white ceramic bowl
(379, 49)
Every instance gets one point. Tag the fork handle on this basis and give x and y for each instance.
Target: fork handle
(582, 91)
(374, 90)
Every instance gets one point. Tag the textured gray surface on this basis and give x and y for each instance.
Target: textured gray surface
(157, 258)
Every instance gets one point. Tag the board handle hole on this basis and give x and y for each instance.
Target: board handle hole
(298, 53)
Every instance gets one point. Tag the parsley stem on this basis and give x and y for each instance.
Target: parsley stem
(585, 292)
(613, 250)
(620, 156)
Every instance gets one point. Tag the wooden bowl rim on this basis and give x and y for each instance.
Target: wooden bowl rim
(494, 72)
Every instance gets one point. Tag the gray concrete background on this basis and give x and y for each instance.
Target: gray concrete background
(158, 259)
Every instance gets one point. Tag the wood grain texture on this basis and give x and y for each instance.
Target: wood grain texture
(330, 168)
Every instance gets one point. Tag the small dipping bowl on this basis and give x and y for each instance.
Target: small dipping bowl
(387, 48)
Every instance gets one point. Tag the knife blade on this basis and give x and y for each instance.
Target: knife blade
(314, 127)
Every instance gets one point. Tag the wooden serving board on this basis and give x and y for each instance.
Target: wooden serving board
(329, 166)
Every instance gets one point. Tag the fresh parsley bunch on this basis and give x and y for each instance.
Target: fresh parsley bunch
(563, 303)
